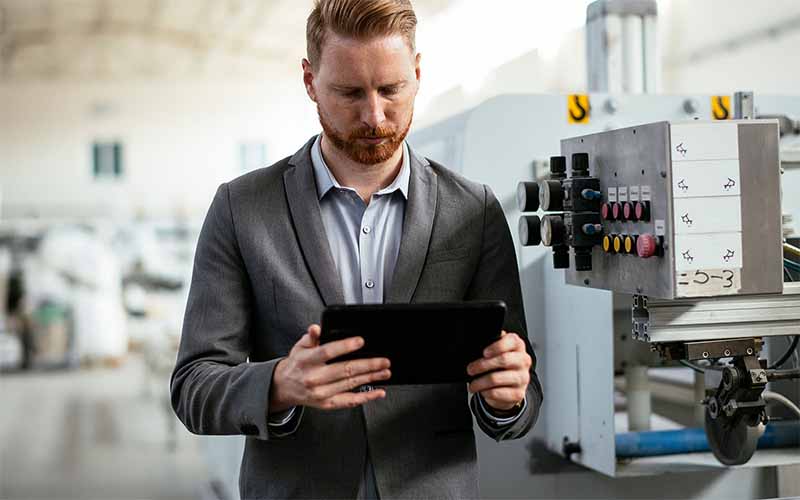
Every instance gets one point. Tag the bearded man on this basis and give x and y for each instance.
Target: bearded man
(355, 216)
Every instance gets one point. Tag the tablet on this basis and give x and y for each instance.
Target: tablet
(426, 343)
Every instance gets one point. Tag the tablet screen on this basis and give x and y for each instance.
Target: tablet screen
(426, 343)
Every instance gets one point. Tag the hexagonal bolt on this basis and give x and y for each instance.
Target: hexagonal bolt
(749, 351)
(705, 354)
(726, 352)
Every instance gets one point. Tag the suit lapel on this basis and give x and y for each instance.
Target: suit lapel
(417, 226)
(301, 194)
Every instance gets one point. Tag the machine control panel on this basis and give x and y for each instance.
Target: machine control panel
(667, 210)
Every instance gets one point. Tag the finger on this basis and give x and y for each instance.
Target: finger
(335, 349)
(510, 360)
(311, 337)
(352, 399)
(508, 342)
(315, 331)
(330, 390)
(506, 395)
(327, 374)
(507, 378)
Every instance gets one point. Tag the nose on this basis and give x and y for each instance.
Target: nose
(372, 114)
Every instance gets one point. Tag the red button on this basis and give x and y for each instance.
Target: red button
(642, 211)
(615, 210)
(646, 246)
(627, 211)
(605, 211)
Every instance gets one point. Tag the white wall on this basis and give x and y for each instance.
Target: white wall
(767, 65)
(181, 140)
(686, 27)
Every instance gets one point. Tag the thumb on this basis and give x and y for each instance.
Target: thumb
(314, 332)
(311, 338)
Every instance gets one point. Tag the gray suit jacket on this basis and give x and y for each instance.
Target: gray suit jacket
(263, 272)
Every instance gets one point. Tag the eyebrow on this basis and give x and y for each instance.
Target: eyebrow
(348, 88)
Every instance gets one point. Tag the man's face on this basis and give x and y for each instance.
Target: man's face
(365, 93)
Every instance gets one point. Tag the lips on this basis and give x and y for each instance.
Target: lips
(373, 140)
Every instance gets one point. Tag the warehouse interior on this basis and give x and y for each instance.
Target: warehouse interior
(120, 119)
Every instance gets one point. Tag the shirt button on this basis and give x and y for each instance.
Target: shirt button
(369, 284)
(366, 229)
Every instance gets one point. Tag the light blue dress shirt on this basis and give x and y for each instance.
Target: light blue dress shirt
(364, 239)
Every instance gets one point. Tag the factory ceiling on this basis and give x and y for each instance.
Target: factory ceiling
(155, 39)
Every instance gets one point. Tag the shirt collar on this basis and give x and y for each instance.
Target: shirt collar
(326, 181)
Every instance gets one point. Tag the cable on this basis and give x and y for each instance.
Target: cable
(788, 354)
(791, 265)
(791, 249)
(790, 374)
(780, 398)
(691, 365)
(699, 368)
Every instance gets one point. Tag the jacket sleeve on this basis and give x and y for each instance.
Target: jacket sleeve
(214, 388)
(497, 278)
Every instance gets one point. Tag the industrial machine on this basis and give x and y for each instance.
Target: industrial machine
(680, 210)
(609, 282)
(651, 234)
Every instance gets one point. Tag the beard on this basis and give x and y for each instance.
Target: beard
(359, 152)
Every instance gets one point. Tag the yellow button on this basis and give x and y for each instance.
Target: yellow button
(617, 243)
(606, 243)
(628, 244)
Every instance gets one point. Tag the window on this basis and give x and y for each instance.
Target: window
(107, 160)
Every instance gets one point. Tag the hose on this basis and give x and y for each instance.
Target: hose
(780, 398)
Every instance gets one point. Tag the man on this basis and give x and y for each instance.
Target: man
(354, 216)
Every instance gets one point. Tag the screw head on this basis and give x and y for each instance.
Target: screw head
(749, 351)
(705, 354)
(726, 352)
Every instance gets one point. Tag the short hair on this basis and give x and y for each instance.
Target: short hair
(360, 19)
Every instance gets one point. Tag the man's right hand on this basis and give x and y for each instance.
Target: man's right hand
(304, 379)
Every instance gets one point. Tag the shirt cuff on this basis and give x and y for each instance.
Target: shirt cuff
(501, 421)
(285, 422)
(282, 417)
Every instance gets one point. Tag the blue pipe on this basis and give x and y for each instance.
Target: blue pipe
(693, 440)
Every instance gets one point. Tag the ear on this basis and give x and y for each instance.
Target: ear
(308, 80)
(416, 67)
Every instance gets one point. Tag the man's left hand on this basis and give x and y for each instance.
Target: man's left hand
(509, 364)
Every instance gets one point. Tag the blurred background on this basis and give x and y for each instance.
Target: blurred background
(119, 119)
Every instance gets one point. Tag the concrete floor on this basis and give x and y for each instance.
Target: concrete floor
(95, 433)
